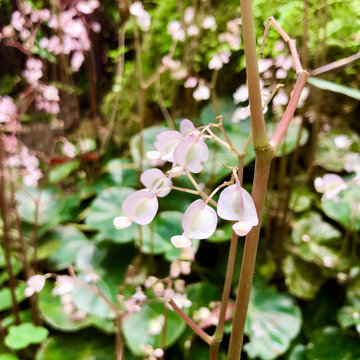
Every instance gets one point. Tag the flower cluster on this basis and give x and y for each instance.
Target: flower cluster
(187, 151)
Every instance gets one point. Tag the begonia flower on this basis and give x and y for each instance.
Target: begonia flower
(190, 82)
(209, 23)
(166, 142)
(191, 153)
(199, 222)
(236, 204)
(140, 207)
(241, 94)
(156, 182)
(176, 31)
(202, 92)
(330, 185)
(189, 14)
(142, 16)
(193, 30)
(34, 284)
(186, 127)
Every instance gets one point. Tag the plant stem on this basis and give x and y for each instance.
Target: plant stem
(260, 138)
(261, 175)
(6, 239)
(200, 332)
(219, 331)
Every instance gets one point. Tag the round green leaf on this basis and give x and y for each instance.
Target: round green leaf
(21, 336)
(331, 343)
(67, 241)
(8, 357)
(85, 347)
(6, 299)
(331, 157)
(136, 328)
(62, 171)
(301, 278)
(54, 207)
(156, 236)
(273, 321)
(121, 171)
(104, 209)
(52, 312)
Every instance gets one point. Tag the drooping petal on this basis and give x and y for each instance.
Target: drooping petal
(141, 206)
(199, 220)
(186, 127)
(235, 203)
(242, 228)
(166, 142)
(156, 182)
(191, 152)
(181, 241)
(122, 222)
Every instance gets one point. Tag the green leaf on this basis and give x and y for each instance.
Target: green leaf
(77, 347)
(156, 236)
(54, 207)
(62, 171)
(328, 85)
(91, 302)
(67, 241)
(301, 278)
(345, 208)
(349, 316)
(21, 336)
(273, 321)
(328, 155)
(201, 294)
(222, 233)
(297, 353)
(136, 335)
(5, 296)
(121, 171)
(104, 209)
(301, 199)
(331, 343)
(316, 243)
(8, 357)
(52, 311)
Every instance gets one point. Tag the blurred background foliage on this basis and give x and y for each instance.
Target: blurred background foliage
(305, 301)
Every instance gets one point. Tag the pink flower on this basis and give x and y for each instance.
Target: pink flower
(33, 71)
(51, 93)
(87, 7)
(193, 30)
(142, 16)
(156, 182)
(68, 149)
(236, 204)
(202, 92)
(139, 207)
(191, 152)
(176, 31)
(330, 185)
(17, 21)
(8, 110)
(190, 82)
(264, 64)
(241, 94)
(209, 23)
(198, 222)
(218, 60)
(166, 142)
(189, 14)
(77, 59)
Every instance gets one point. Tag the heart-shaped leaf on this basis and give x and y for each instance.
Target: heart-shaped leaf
(21, 336)
(273, 321)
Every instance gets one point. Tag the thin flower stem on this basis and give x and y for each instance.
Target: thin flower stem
(197, 187)
(189, 191)
(226, 183)
(289, 112)
(169, 120)
(200, 332)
